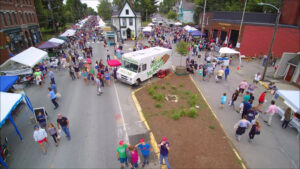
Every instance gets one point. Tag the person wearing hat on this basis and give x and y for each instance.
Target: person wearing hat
(145, 150)
(164, 147)
(121, 153)
(40, 136)
(64, 123)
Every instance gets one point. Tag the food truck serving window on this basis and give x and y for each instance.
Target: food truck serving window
(130, 66)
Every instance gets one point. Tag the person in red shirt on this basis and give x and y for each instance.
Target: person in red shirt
(261, 100)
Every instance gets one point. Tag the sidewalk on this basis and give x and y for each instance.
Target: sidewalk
(275, 147)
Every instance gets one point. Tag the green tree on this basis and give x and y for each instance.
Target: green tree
(172, 15)
(119, 3)
(182, 49)
(166, 5)
(91, 11)
(105, 9)
(42, 13)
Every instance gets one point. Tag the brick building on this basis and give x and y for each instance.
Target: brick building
(257, 29)
(19, 27)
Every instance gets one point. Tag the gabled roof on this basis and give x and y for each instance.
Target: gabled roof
(187, 5)
(129, 7)
(295, 60)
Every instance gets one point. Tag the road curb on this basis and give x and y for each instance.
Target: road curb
(143, 119)
(214, 114)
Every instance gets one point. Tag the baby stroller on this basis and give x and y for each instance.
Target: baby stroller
(41, 116)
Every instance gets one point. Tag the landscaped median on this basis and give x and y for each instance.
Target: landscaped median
(173, 107)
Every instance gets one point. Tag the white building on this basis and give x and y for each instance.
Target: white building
(127, 22)
(185, 11)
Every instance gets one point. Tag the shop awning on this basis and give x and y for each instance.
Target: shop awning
(6, 82)
(30, 57)
(114, 63)
(48, 45)
(55, 40)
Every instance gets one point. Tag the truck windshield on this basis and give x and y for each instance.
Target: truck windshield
(130, 66)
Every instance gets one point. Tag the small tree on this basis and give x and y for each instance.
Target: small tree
(172, 15)
(182, 49)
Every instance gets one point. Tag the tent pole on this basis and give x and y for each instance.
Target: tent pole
(3, 163)
(13, 123)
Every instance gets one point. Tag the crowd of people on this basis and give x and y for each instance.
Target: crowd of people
(77, 59)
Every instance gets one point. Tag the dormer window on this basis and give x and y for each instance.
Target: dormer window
(127, 12)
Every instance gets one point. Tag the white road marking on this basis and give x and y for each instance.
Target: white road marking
(121, 112)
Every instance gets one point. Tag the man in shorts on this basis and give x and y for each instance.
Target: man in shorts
(121, 154)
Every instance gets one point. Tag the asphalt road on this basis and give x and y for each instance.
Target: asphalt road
(96, 125)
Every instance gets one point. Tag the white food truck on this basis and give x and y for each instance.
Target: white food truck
(141, 65)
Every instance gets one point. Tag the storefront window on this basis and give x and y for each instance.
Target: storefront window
(4, 23)
(15, 18)
(9, 19)
(21, 17)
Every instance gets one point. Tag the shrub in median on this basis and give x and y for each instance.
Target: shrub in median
(192, 112)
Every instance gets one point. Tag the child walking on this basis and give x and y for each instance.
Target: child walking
(223, 100)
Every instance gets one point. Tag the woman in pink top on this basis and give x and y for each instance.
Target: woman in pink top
(133, 157)
(243, 85)
(270, 112)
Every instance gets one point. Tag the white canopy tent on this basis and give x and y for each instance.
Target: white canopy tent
(23, 62)
(178, 24)
(55, 40)
(69, 32)
(228, 51)
(189, 28)
(291, 98)
(147, 29)
(150, 24)
(30, 56)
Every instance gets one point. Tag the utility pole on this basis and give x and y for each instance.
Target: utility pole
(146, 15)
(241, 25)
(203, 18)
(273, 37)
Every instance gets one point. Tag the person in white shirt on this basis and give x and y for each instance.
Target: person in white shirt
(40, 136)
(257, 77)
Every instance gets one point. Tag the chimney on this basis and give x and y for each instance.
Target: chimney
(130, 2)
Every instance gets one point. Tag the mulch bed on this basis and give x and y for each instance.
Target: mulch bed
(197, 142)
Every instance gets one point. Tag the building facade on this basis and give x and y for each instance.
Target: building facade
(127, 22)
(19, 27)
(185, 11)
(257, 30)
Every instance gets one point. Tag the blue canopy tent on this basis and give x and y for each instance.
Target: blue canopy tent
(197, 33)
(9, 101)
(6, 82)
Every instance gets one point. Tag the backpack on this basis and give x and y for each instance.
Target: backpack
(257, 130)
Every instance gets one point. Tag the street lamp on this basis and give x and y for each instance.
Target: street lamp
(273, 37)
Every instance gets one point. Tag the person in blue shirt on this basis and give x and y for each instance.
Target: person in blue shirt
(53, 87)
(223, 100)
(145, 150)
(52, 96)
(226, 72)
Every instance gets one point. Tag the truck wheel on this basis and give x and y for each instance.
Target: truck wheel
(138, 82)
